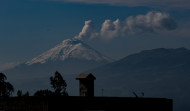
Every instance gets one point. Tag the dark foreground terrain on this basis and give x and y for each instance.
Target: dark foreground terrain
(74, 103)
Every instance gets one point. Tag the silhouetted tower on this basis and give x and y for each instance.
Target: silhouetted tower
(86, 84)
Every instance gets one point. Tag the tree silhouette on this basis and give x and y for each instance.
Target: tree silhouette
(19, 93)
(26, 94)
(6, 89)
(44, 93)
(58, 84)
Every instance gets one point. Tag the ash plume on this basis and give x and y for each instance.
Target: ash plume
(151, 22)
(88, 31)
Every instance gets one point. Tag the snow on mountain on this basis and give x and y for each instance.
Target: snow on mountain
(69, 49)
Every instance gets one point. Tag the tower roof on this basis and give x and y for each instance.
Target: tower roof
(85, 76)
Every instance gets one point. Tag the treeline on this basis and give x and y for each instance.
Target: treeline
(57, 83)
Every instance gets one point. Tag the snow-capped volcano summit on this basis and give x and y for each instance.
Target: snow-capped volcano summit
(71, 57)
(69, 49)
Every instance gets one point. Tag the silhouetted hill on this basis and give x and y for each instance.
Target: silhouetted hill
(156, 60)
(157, 73)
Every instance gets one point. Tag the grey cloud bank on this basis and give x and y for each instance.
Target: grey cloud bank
(151, 3)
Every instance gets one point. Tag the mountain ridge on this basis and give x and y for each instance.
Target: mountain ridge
(157, 73)
(70, 58)
(69, 48)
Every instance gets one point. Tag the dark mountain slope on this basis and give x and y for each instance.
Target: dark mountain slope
(157, 73)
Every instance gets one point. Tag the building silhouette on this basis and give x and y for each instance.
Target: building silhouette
(86, 84)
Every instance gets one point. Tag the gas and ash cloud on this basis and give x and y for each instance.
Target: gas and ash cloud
(88, 31)
(151, 22)
(111, 29)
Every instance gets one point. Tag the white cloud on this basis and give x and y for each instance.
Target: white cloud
(8, 66)
(151, 3)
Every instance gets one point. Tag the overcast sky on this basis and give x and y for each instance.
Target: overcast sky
(116, 28)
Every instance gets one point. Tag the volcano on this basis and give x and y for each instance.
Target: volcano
(71, 57)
